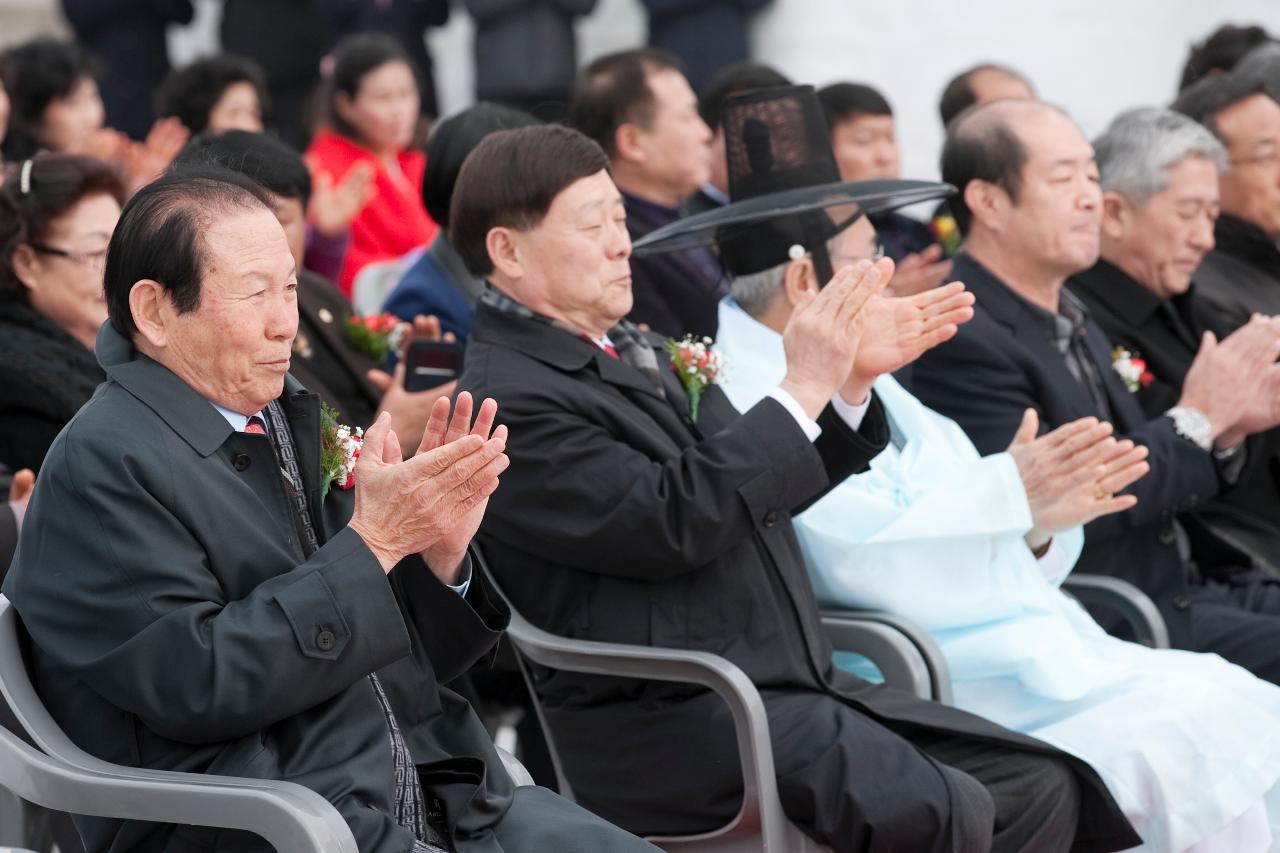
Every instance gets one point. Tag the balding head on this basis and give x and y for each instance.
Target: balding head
(1028, 185)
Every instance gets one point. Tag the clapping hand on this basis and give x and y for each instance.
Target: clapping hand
(898, 330)
(919, 272)
(1071, 475)
(432, 503)
(822, 336)
(334, 206)
(1258, 378)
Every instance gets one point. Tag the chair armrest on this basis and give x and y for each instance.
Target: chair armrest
(1124, 598)
(292, 818)
(520, 777)
(751, 725)
(906, 653)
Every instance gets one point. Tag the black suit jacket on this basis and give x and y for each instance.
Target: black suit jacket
(175, 623)
(623, 520)
(1002, 363)
(1166, 334)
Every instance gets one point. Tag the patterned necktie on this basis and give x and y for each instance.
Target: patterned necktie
(410, 809)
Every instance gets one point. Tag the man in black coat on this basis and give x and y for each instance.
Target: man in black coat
(1029, 192)
(640, 109)
(207, 590)
(634, 514)
(1241, 276)
(1157, 225)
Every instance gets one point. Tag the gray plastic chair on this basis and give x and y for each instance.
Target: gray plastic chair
(59, 775)
(905, 654)
(1132, 604)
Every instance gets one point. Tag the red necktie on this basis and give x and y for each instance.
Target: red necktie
(255, 426)
(609, 348)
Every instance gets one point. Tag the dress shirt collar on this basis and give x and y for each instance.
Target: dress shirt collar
(712, 192)
(238, 421)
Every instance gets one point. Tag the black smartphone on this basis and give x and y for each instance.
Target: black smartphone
(429, 364)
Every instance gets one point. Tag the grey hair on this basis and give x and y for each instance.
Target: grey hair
(1262, 65)
(755, 292)
(1141, 146)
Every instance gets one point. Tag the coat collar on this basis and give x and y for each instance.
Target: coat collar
(1242, 239)
(556, 347)
(995, 297)
(176, 403)
(1119, 292)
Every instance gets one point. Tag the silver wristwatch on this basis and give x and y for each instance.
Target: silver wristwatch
(1193, 425)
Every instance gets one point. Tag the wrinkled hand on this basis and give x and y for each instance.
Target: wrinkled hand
(410, 410)
(1071, 474)
(899, 330)
(919, 272)
(334, 206)
(422, 505)
(22, 485)
(1223, 380)
(824, 331)
(451, 548)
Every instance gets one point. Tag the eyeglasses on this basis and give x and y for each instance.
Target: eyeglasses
(1264, 161)
(93, 260)
(877, 252)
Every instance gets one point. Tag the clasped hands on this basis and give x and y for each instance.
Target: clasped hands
(1236, 382)
(431, 503)
(841, 338)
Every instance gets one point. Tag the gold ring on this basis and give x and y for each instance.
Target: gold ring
(1101, 494)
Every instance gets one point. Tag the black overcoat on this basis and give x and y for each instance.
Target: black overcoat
(620, 519)
(175, 624)
(1166, 335)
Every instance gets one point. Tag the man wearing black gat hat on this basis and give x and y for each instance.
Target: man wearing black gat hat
(630, 515)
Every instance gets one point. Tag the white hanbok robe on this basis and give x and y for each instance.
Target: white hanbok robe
(1188, 744)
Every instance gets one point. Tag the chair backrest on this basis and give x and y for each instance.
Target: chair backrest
(59, 775)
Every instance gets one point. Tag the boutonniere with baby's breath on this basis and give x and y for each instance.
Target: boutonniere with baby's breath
(1132, 369)
(375, 335)
(696, 365)
(339, 451)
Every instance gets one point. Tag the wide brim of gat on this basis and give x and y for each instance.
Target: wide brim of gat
(703, 229)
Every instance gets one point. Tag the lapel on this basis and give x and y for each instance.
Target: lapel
(563, 351)
(1018, 317)
(302, 409)
(313, 306)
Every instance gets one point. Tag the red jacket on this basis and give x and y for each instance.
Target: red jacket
(394, 221)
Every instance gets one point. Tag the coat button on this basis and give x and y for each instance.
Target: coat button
(1167, 536)
(325, 641)
(770, 519)
(1181, 602)
(240, 461)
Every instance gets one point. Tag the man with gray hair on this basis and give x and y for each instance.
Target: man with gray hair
(1159, 174)
(1242, 274)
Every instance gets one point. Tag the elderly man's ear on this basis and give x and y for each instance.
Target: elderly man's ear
(798, 278)
(1115, 215)
(504, 252)
(151, 308)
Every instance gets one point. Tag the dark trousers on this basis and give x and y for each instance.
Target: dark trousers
(1238, 618)
(965, 795)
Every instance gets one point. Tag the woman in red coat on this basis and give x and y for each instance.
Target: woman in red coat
(373, 112)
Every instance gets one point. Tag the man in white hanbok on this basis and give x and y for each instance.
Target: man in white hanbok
(1188, 744)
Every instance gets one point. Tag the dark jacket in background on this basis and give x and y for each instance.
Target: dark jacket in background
(901, 234)
(404, 20)
(1002, 363)
(622, 520)
(1166, 334)
(705, 34)
(438, 284)
(253, 28)
(1240, 277)
(45, 377)
(526, 52)
(128, 38)
(324, 360)
(676, 293)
